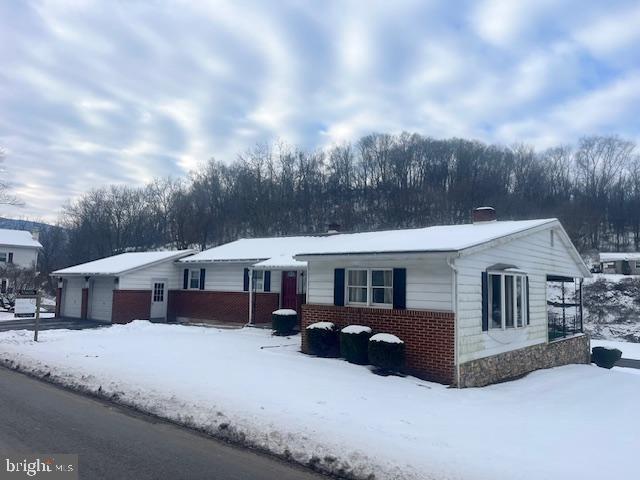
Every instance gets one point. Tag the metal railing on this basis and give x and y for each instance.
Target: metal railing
(562, 325)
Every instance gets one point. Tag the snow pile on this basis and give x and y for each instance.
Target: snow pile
(285, 312)
(356, 329)
(321, 326)
(338, 417)
(385, 337)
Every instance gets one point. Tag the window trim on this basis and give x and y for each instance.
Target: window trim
(369, 286)
(503, 314)
(190, 285)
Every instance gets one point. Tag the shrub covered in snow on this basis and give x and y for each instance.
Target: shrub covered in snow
(386, 352)
(354, 344)
(322, 339)
(605, 357)
(284, 321)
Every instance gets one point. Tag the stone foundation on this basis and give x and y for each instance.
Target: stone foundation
(513, 364)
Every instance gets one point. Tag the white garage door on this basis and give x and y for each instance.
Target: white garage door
(72, 297)
(101, 299)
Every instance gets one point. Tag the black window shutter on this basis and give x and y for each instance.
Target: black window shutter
(246, 280)
(338, 287)
(267, 281)
(185, 279)
(528, 317)
(485, 302)
(3, 286)
(203, 272)
(400, 288)
(10, 259)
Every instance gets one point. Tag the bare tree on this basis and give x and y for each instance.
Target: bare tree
(6, 198)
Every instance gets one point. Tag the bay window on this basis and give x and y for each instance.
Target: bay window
(507, 300)
(370, 287)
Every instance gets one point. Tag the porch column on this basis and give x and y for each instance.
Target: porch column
(251, 286)
(85, 299)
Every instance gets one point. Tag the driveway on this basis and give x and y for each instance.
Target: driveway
(116, 443)
(49, 324)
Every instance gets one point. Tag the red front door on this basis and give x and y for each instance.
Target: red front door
(289, 290)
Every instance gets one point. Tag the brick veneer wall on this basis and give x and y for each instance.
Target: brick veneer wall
(513, 364)
(428, 335)
(129, 305)
(214, 306)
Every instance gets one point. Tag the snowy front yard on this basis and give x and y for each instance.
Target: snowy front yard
(575, 422)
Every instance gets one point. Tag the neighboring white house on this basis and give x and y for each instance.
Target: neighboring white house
(120, 288)
(20, 248)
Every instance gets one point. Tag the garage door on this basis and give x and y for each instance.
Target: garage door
(101, 299)
(72, 297)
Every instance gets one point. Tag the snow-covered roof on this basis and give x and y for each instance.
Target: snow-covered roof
(617, 256)
(18, 238)
(281, 262)
(122, 263)
(443, 238)
(280, 249)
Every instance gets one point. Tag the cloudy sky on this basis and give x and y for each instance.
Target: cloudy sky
(93, 93)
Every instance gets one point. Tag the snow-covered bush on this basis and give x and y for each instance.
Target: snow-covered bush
(605, 357)
(322, 339)
(284, 321)
(386, 352)
(354, 344)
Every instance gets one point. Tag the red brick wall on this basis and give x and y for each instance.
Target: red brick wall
(428, 335)
(58, 301)
(85, 303)
(232, 307)
(129, 305)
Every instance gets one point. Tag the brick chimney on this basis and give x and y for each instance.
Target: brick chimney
(483, 214)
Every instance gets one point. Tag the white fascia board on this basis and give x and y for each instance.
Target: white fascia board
(364, 257)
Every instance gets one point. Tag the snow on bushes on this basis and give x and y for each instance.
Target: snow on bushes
(605, 357)
(354, 344)
(322, 339)
(386, 352)
(284, 321)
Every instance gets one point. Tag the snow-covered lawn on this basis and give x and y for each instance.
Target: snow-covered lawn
(574, 422)
(628, 349)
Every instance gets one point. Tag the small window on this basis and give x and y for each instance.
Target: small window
(3, 257)
(258, 280)
(382, 287)
(158, 292)
(194, 279)
(357, 286)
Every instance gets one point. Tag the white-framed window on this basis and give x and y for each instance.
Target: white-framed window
(3, 257)
(369, 286)
(507, 300)
(258, 280)
(194, 279)
(158, 292)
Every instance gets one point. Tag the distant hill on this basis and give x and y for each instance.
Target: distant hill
(14, 224)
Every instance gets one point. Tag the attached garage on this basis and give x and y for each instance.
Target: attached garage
(119, 289)
(72, 297)
(101, 298)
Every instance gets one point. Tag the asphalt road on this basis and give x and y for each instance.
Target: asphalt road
(117, 443)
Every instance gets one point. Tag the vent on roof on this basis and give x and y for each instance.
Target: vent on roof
(483, 214)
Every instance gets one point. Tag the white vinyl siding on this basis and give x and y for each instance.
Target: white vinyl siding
(24, 257)
(428, 280)
(532, 254)
(227, 277)
(141, 279)
(72, 297)
(101, 299)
